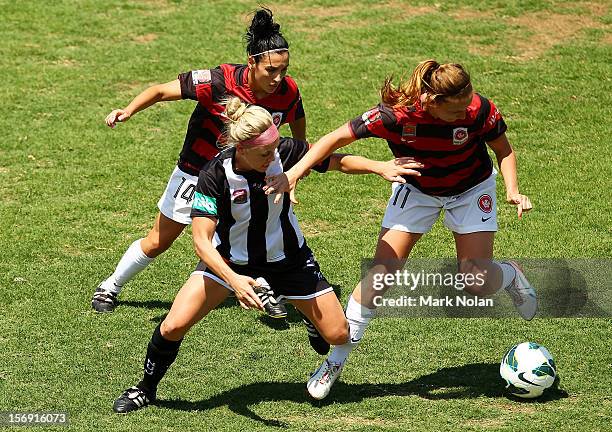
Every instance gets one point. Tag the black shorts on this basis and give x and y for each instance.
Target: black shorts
(299, 278)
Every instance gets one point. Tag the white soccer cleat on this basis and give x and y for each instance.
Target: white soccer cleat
(320, 383)
(522, 293)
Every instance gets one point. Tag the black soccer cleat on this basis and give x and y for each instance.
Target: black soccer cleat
(317, 342)
(103, 300)
(132, 399)
(272, 307)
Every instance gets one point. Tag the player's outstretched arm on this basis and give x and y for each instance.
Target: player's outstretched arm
(391, 170)
(203, 229)
(287, 181)
(157, 93)
(320, 150)
(506, 159)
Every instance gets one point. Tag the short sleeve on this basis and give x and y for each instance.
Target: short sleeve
(494, 125)
(377, 122)
(292, 150)
(208, 191)
(297, 110)
(197, 85)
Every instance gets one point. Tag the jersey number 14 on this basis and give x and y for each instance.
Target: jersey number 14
(187, 193)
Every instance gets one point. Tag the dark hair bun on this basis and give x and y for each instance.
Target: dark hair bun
(263, 25)
(264, 34)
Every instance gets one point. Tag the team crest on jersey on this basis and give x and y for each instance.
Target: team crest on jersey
(201, 76)
(460, 136)
(277, 118)
(371, 116)
(408, 130)
(239, 196)
(485, 203)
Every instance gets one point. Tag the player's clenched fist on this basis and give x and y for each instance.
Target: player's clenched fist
(117, 116)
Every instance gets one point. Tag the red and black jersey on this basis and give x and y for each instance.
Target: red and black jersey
(209, 87)
(454, 155)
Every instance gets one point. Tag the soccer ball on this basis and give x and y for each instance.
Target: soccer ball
(528, 369)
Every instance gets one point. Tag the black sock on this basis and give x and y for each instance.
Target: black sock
(161, 353)
(317, 342)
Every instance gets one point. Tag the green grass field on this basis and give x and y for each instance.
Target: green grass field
(75, 194)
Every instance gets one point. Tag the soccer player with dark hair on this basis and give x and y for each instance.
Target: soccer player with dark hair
(244, 240)
(262, 81)
(436, 118)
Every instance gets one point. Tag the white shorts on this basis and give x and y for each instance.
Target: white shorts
(474, 210)
(175, 203)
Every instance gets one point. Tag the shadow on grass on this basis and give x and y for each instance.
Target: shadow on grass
(277, 324)
(281, 324)
(147, 304)
(461, 382)
(160, 304)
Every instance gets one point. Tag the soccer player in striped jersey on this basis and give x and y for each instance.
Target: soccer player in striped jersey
(262, 80)
(240, 235)
(438, 119)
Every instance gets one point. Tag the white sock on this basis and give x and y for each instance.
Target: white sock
(358, 317)
(508, 274)
(131, 263)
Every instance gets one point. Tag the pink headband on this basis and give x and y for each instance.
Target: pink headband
(265, 138)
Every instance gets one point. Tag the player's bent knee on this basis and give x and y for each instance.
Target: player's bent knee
(154, 245)
(337, 335)
(160, 244)
(472, 277)
(174, 330)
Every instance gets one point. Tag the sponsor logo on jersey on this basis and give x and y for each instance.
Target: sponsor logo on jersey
(485, 203)
(201, 76)
(239, 196)
(371, 116)
(277, 118)
(408, 130)
(205, 204)
(460, 136)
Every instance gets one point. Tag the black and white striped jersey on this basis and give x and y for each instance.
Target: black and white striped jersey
(251, 229)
